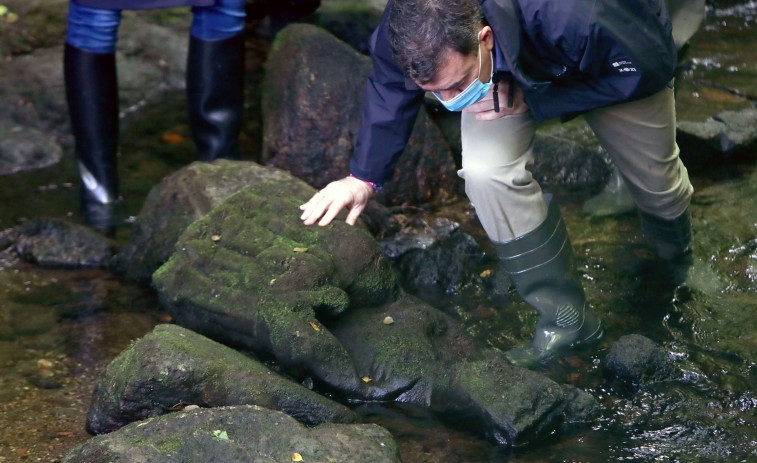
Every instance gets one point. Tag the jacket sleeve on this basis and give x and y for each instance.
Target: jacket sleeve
(625, 53)
(388, 114)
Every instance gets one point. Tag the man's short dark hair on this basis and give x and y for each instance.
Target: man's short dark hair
(420, 31)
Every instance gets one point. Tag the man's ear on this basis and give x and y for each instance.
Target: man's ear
(486, 36)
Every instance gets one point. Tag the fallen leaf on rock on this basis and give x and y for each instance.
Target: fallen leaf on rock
(173, 138)
(44, 363)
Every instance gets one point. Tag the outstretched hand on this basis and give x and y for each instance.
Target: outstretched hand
(350, 193)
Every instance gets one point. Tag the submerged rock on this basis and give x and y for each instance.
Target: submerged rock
(57, 243)
(726, 134)
(26, 148)
(509, 404)
(401, 360)
(423, 358)
(239, 434)
(636, 360)
(173, 367)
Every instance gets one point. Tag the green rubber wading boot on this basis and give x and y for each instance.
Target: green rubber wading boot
(92, 96)
(540, 264)
(671, 242)
(215, 94)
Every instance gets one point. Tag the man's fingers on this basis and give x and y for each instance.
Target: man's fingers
(487, 104)
(354, 214)
(313, 210)
(325, 205)
(331, 212)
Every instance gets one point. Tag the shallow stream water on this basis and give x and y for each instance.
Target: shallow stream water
(64, 326)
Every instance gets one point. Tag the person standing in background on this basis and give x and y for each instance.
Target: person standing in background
(214, 80)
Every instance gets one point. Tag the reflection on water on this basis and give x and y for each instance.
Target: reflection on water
(61, 327)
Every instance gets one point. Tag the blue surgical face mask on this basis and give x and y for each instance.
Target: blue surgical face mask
(473, 93)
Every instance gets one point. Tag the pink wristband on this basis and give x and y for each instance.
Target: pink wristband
(374, 187)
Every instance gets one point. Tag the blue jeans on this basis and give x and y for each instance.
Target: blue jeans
(96, 30)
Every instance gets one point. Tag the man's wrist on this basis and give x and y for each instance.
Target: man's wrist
(374, 186)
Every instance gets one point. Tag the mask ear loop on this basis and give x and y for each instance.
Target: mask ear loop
(495, 80)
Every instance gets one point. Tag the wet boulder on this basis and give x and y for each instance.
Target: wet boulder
(351, 21)
(249, 274)
(238, 434)
(566, 161)
(172, 367)
(311, 118)
(636, 360)
(434, 255)
(25, 148)
(412, 353)
(509, 404)
(728, 134)
(184, 196)
(401, 349)
(57, 243)
(323, 304)
(444, 267)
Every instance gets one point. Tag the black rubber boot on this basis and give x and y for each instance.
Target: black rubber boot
(671, 242)
(92, 94)
(215, 91)
(670, 239)
(540, 264)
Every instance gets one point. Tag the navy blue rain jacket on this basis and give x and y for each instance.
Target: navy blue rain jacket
(568, 57)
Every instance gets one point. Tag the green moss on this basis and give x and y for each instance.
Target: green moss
(178, 18)
(40, 27)
(170, 445)
(469, 375)
(409, 354)
(121, 369)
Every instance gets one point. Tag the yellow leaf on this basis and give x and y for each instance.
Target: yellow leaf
(486, 273)
(173, 138)
(215, 238)
(315, 327)
(367, 379)
(296, 457)
(300, 249)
